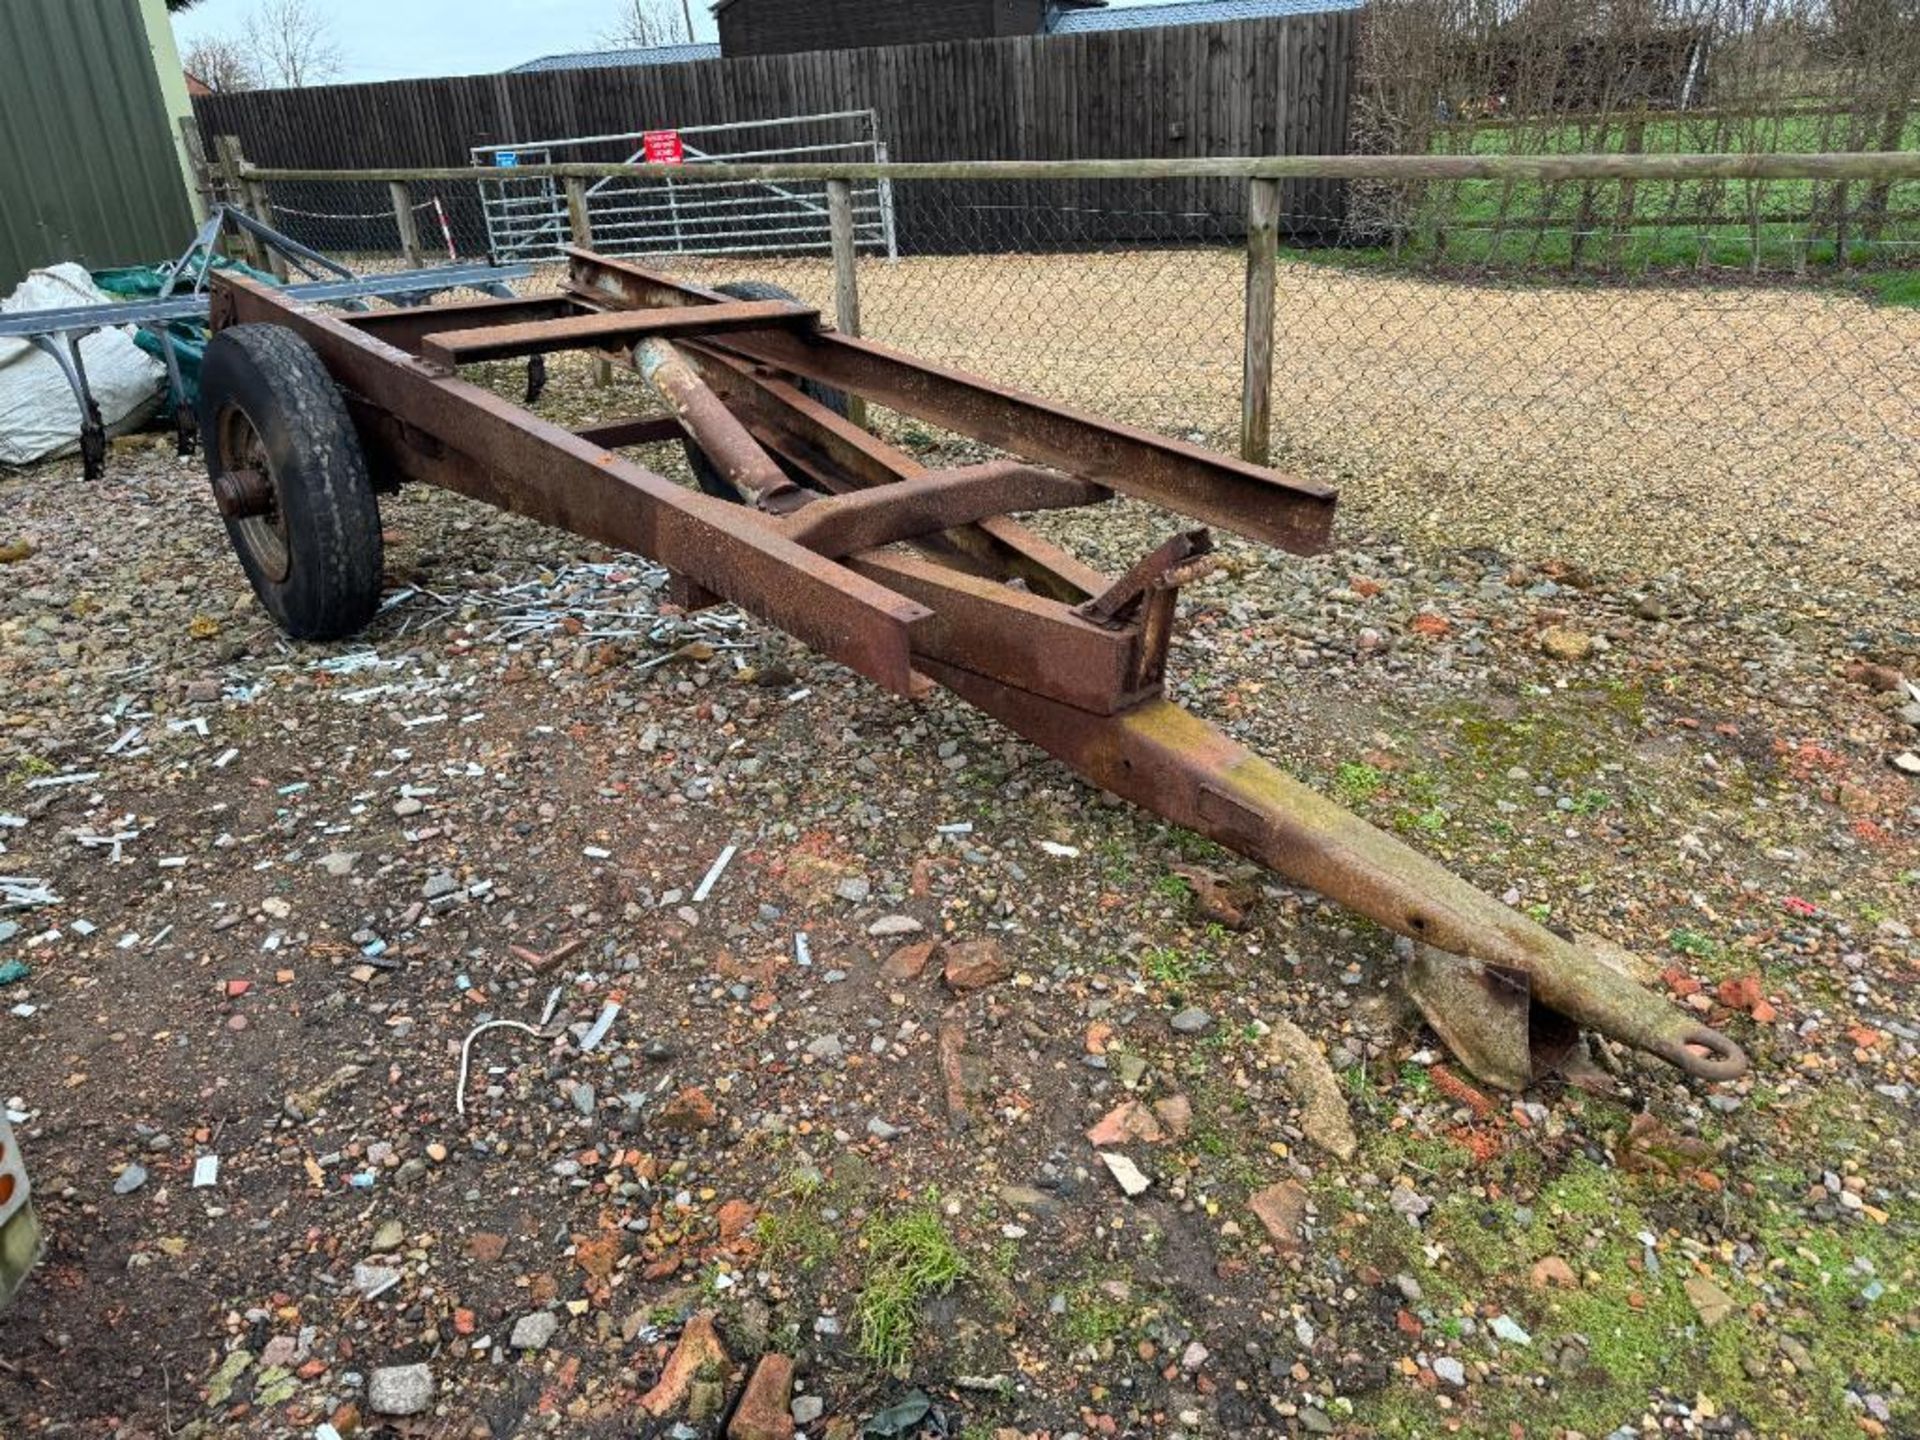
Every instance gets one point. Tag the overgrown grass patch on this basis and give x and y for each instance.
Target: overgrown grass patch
(909, 1256)
(1638, 1331)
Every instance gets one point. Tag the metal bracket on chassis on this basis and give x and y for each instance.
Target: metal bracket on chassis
(914, 576)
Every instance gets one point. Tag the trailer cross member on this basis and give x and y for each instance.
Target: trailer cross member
(910, 576)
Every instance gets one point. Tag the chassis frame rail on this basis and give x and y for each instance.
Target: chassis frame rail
(915, 577)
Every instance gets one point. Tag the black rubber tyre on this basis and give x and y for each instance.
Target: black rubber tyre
(708, 477)
(314, 557)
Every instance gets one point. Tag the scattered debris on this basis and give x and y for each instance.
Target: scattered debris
(466, 1050)
(898, 1419)
(534, 1331)
(973, 965)
(698, 1352)
(1282, 1209)
(400, 1389)
(1128, 1175)
(1324, 1114)
(712, 877)
(1130, 1121)
(764, 1411)
(1566, 644)
(1712, 1304)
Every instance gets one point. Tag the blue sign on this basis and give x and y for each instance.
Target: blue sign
(505, 157)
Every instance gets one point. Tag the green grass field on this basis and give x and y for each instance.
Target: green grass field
(1658, 227)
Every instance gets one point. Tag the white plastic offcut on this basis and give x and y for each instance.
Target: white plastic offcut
(39, 416)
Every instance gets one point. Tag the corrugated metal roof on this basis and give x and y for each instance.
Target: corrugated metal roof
(1188, 12)
(600, 59)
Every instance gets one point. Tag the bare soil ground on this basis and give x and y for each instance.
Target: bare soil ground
(339, 860)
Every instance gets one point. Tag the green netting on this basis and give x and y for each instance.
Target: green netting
(189, 337)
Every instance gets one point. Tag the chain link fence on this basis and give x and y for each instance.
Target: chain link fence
(1701, 398)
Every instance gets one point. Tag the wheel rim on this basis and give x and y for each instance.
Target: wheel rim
(263, 536)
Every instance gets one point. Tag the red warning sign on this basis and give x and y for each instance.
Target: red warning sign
(662, 147)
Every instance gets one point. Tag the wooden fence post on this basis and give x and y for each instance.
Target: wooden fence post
(261, 208)
(404, 220)
(579, 222)
(580, 228)
(1634, 143)
(846, 282)
(1256, 376)
(234, 192)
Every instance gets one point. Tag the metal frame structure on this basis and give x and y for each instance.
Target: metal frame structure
(677, 214)
(915, 577)
(58, 333)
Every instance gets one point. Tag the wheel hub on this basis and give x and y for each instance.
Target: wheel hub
(248, 495)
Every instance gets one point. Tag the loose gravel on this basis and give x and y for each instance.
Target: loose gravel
(913, 1091)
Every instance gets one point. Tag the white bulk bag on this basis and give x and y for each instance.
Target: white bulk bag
(39, 415)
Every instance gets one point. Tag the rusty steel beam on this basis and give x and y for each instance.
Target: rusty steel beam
(405, 327)
(1175, 764)
(464, 438)
(1285, 512)
(641, 430)
(935, 501)
(840, 456)
(613, 329)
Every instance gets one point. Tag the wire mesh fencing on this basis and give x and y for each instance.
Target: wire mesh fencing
(1727, 407)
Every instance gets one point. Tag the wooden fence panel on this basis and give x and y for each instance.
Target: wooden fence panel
(1255, 87)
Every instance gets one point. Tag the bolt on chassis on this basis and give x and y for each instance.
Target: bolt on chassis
(911, 576)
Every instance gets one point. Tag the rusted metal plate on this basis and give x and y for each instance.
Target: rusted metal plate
(1287, 512)
(1022, 639)
(1486, 1017)
(1150, 570)
(641, 430)
(619, 329)
(492, 450)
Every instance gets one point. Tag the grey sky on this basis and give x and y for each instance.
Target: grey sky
(391, 39)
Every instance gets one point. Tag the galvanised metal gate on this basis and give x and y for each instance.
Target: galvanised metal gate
(527, 219)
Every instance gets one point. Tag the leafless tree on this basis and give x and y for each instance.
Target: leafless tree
(642, 24)
(222, 63)
(292, 41)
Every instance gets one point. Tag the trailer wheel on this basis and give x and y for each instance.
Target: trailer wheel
(708, 476)
(291, 481)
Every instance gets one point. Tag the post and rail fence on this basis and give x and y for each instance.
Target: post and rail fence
(1496, 345)
(1262, 176)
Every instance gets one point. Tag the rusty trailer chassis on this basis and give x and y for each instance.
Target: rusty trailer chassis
(915, 577)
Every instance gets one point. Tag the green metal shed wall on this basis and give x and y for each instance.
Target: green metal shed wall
(88, 169)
